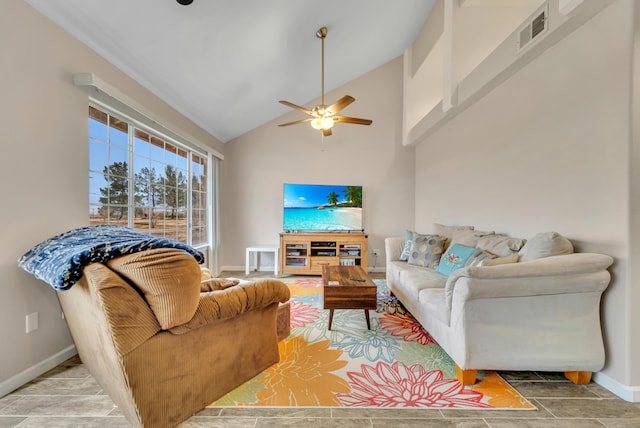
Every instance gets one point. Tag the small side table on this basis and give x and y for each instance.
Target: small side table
(257, 250)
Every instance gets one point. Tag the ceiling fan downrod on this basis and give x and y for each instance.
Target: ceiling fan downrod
(322, 34)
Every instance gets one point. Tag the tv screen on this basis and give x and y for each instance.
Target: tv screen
(322, 207)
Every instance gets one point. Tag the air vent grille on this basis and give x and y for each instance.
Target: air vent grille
(537, 26)
(533, 29)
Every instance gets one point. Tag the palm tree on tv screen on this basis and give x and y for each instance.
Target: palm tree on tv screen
(332, 198)
(353, 194)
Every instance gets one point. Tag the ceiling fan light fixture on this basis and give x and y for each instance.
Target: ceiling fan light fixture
(322, 123)
(325, 116)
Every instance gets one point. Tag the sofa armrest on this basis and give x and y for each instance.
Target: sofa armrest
(393, 248)
(234, 301)
(566, 264)
(570, 273)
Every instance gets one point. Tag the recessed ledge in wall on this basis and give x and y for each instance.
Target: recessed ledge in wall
(501, 64)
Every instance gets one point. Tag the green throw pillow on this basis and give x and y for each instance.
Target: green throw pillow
(454, 259)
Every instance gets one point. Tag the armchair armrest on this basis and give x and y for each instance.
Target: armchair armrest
(570, 273)
(233, 301)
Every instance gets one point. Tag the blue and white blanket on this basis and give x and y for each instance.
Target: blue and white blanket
(59, 261)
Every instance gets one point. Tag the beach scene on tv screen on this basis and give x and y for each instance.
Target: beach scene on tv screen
(322, 207)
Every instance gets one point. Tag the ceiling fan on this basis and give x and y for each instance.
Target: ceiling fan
(323, 117)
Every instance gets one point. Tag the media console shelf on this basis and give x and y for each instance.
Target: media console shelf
(306, 253)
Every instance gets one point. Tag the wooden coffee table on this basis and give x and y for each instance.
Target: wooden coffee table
(348, 287)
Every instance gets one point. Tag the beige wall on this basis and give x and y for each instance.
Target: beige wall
(258, 163)
(549, 150)
(43, 167)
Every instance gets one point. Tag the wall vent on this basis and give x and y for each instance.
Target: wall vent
(533, 28)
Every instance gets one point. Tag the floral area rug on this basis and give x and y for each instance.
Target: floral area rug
(395, 364)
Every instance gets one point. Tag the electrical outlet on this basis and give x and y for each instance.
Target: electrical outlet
(31, 322)
(376, 252)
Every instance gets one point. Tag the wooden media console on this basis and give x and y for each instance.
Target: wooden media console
(307, 253)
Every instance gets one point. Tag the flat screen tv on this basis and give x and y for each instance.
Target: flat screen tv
(322, 208)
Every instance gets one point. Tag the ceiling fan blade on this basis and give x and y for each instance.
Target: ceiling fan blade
(340, 104)
(326, 132)
(295, 122)
(297, 107)
(354, 120)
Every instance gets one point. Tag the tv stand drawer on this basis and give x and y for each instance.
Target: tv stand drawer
(318, 262)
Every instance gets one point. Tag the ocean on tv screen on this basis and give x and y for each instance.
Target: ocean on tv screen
(323, 218)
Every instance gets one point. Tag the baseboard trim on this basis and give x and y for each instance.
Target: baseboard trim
(241, 268)
(626, 392)
(33, 372)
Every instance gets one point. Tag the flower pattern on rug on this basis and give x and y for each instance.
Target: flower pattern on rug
(407, 327)
(398, 385)
(501, 395)
(395, 364)
(304, 377)
(303, 314)
(434, 359)
(373, 345)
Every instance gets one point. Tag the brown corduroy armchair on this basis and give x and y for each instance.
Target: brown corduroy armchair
(159, 346)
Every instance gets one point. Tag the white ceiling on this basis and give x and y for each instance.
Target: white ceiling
(226, 63)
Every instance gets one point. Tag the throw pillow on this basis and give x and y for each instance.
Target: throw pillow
(469, 238)
(479, 258)
(544, 245)
(500, 245)
(455, 258)
(426, 250)
(406, 250)
(513, 258)
(448, 231)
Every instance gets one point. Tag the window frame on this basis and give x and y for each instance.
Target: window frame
(210, 167)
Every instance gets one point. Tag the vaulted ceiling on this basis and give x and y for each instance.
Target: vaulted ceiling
(225, 63)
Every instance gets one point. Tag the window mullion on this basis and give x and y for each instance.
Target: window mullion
(132, 180)
(190, 198)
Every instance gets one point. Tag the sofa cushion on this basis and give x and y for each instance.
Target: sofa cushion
(168, 279)
(426, 250)
(545, 244)
(469, 237)
(454, 258)
(500, 245)
(414, 279)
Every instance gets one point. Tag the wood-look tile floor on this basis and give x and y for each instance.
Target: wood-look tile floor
(68, 396)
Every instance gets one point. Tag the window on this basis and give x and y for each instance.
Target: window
(141, 179)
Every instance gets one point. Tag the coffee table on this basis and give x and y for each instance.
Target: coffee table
(348, 287)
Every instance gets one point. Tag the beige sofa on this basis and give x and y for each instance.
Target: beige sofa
(541, 313)
(164, 341)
